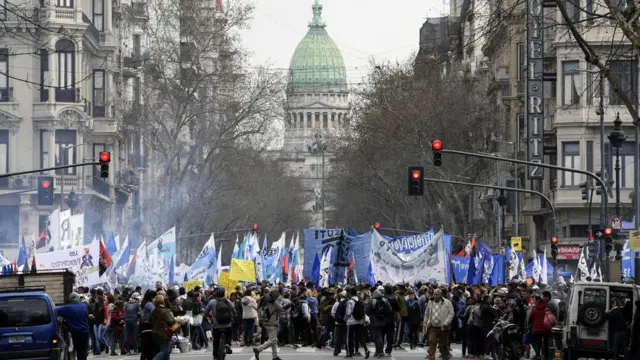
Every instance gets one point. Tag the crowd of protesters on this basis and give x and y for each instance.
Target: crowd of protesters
(336, 318)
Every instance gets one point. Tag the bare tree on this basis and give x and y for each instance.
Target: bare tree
(202, 109)
(398, 115)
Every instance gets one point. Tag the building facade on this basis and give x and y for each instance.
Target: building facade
(494, 46)
(67, 69)
(317, 107)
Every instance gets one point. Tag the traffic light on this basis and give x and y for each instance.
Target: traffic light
(604, 175)
(255, 227)
(607, 233)
(554, 247)
(45, 190)
(436, 146)
(416, 181)
(584, 188)
(105, 159)
(376, 226)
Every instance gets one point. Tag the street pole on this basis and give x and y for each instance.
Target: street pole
(324, 224)
(62, 161)
(527, 191)
(636, 188)
(603, 197)
(498, 208)
(529, 163)
(516, 202)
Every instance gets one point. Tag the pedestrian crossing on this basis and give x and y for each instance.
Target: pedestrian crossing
(455, 351)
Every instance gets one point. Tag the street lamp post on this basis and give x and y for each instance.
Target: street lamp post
(617, 139)
(318, 147)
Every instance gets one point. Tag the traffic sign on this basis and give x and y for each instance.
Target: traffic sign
(516, 243)
(616, 223)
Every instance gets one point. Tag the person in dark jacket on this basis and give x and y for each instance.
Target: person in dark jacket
(635, 333)
(618, 329)
(76, 318)
(161, 318)
(132, 315)
(390, 321)
(414, 319)
(377, 309)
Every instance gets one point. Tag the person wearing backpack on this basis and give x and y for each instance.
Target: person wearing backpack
(338, 311)
(270, 311)
(222, 313)
(132, 314)
(355, 313)
(378, 308)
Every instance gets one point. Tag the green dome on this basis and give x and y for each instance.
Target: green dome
(317, 65)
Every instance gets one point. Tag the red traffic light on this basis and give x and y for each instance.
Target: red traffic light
(105, 157)
(436, 145)
(554, 240)
(416, 174)
(608, 231)
(376, 226)
(45, 184)
(255, 227)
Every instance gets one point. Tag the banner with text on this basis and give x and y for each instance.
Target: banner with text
(418, 257)
(83, 261)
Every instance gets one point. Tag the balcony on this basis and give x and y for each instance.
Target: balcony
(139, 10)
(68, 95)
(107, 39)
(92, 31)
(60, 14)
(18, 183)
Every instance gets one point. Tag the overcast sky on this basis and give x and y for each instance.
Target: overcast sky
(387, 30)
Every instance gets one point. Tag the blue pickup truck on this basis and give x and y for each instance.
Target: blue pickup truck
(29, 327)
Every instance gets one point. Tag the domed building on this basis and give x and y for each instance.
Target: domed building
(317, 107)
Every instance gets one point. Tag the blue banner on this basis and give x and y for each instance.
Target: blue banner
(460, 266)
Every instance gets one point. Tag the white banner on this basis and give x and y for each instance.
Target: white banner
(425, 264)
(71, 231)
(83, 261)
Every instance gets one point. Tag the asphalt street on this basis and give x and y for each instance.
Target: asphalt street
(288, 353)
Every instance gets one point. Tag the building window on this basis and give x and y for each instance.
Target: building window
(65, 152)
(309, 124)
(98, 14)
(44, 75)
(98, 93)
(579, 231)
(4, 156)
(572, 83)
(45, 143)
(627, 155)
(325, 121)
(593, 88)
(64, 3)
(571, 159)
(573, 10)
(624, 71)
(5, 92)
(65, 88)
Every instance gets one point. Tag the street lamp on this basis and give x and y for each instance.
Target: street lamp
(318, 147)
(617, 139)
(63, 161)
(516, 210)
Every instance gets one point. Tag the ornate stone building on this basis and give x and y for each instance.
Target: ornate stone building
(317, 107)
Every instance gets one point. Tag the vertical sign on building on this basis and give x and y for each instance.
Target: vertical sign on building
(535, 96)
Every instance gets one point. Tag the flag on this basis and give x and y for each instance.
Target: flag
(42, 239)
(315, 270)
(219, 268)
(545, 272)
(111, 246)
(132, 263)
(186, 278)
(259, 261)
(33, 265)
(325, 268)
(205, 263)
(123, 254)
(172, 271)
(22, 255)
(105, 258)
(235, 254)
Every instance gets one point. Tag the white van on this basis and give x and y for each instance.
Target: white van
(585, 331)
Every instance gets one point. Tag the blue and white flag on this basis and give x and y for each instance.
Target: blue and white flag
(205, 263)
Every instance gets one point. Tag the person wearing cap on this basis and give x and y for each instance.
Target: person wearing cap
(132, 315)
(76, 317)
(437, 319)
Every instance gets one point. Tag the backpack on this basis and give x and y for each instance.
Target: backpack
(382, 308)
(224, 312)
(197, 308)
(358, 310)
(265, 314)
(341, 311)
(549, 320)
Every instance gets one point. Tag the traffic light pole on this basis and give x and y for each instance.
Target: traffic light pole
(47, 169)
(527, 191)
(546, 166)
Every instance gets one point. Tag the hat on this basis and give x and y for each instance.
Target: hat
(135, 295)
(343, 293)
